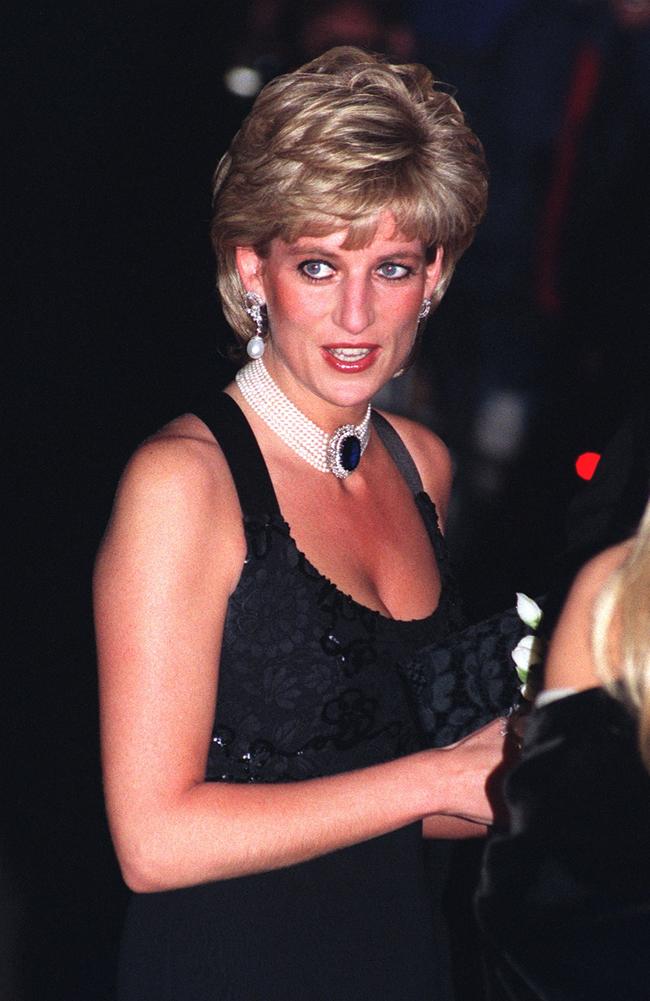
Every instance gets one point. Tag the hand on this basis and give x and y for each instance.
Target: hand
(472, 771)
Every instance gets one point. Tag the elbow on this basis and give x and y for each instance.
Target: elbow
(141, 870)
(146, 864)
(140, 880)
(151, 861)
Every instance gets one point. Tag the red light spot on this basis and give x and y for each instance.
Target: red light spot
(586, 464)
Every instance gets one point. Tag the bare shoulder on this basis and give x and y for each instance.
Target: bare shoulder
(595, 573)
(431, 456)
(180, 464)
(176, 492)
(570, 660)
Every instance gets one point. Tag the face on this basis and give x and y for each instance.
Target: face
(342, 321)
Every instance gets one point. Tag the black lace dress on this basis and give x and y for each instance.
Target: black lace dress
(308, 686)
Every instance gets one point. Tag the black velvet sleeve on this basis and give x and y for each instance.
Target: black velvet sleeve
(467, 680)
(564, 898)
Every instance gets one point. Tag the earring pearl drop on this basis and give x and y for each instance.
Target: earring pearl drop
(255, 347)
(254, 306)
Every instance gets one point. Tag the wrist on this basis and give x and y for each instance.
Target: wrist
(429, 782)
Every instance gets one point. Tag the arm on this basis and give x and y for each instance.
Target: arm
(171, 557)
(453, 828)
(462, 824)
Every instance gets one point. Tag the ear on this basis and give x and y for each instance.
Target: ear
(250, 268)
(434, 272)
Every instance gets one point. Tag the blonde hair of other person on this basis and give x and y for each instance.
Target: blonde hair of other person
(621, 631)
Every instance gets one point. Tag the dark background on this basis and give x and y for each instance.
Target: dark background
(116, 121)
(112, 320)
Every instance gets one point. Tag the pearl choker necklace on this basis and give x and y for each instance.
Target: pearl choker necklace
(339, 453)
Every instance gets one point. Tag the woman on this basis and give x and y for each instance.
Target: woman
(565, 895)
(230, 667)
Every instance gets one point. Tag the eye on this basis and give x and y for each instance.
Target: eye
(316, 270)
(389, 269)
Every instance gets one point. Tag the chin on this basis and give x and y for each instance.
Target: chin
(355, 392)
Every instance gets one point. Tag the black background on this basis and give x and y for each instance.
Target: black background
(116, 121)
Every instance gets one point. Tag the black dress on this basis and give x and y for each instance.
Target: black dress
(308, 686)
(565, 895)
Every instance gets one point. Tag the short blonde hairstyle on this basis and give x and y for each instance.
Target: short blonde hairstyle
(621, 632)
(332, 145)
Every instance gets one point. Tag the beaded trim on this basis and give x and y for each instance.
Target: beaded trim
(339, 453)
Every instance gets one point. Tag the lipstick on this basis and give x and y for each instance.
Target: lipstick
(350, 357)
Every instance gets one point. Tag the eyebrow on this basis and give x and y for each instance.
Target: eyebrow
(316, 251)
(309, 251)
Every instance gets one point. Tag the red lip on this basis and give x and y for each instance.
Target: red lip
(358, 365)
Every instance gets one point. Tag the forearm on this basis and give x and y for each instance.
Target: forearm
(170, 837)
(220, 830)
(439, 826)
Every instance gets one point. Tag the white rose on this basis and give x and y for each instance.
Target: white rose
(528, 610)
(526, 654)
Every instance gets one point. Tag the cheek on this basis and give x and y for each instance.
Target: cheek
(287, 301)
(406, 312)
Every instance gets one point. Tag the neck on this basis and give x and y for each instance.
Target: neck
(328, 416)
(338, 451)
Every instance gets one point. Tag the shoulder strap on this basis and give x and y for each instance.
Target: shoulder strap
(398, 452)
(254, 487)
(233, 432)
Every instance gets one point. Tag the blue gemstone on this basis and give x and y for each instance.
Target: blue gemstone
(350, 452)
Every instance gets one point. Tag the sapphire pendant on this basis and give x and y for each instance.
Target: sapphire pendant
(350, 452)
(344, 451)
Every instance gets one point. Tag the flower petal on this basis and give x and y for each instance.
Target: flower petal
(528, 610)
(526, 654)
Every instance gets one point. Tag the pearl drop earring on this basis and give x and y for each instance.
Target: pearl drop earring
(255, 308)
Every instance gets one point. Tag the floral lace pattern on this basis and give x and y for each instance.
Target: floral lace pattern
(308, 682)
(466, 681)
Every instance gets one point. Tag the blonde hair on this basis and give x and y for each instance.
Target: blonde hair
(332, 145)
(621, 631)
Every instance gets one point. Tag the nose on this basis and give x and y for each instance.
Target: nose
(354, 309)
